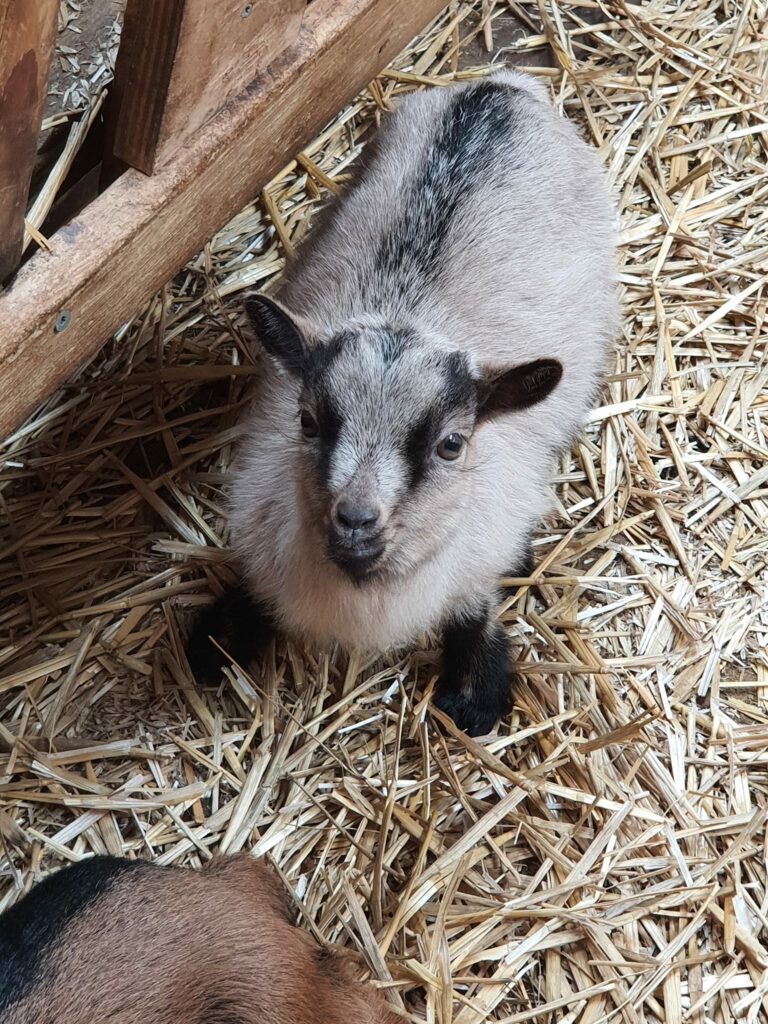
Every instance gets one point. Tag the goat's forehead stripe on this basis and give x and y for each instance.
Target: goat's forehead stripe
(376, 395)
(343, 461)
(393, 344)
(322, 357)
(460, 388)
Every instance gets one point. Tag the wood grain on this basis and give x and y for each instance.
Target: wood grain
(143, 70)
(181, 60)
(27, 31)
(107, 262)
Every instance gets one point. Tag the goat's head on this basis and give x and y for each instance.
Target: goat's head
(387, 419)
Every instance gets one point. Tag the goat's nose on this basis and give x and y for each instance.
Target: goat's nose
(356, 515)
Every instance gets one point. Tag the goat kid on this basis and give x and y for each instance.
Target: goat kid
(127, 942)
(435, 344)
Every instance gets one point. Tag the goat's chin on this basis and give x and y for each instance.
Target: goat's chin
(394, 563)
(356, 566)
(367, 567)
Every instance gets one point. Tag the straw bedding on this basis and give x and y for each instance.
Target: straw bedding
(603, 856)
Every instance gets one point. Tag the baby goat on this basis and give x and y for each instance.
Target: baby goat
(436, 343)
(113, 941)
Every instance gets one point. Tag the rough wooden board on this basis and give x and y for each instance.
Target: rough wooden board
(107, 262)
(181, 60)
(143, 72)
(26, 42)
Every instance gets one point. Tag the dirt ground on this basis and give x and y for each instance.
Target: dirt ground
(86, 44)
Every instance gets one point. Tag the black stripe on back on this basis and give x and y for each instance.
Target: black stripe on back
(473, 131)
(32, 928)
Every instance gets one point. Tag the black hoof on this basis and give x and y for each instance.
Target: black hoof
(471, 717)
(474, 688)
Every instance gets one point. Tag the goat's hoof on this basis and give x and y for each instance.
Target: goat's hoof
(472, 717)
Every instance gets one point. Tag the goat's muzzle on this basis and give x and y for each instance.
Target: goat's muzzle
(356, 551)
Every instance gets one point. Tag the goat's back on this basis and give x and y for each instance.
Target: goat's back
(480, 212)
(119, 942)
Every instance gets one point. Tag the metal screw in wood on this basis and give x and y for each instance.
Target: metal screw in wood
(62, 321)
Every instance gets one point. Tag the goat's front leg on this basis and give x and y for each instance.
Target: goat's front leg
(474, 687)
(239, 624)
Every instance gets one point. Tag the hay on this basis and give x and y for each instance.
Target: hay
(603, 857)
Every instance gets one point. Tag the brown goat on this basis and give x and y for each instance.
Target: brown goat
(112, 941)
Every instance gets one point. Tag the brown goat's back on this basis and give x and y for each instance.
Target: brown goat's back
(122, 942)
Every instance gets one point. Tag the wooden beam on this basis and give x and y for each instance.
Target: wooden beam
(181, 60)
(109, 261)
(27, 32)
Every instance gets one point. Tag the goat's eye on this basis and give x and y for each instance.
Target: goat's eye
(451, 447)
(308, 424)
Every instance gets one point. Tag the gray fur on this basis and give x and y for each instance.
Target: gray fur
(479, 236)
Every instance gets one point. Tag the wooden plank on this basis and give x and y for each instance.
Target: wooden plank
(107, 262)
(143, 70)
(181, 60)
(27, 32)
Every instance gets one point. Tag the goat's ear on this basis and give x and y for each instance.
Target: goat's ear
(518, 388)
(277, 331)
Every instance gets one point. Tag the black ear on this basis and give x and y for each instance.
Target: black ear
(519, 387)
(277, 331)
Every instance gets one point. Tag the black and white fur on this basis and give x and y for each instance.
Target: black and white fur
(435, 344)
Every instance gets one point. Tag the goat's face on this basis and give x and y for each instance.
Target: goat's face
(385, 421)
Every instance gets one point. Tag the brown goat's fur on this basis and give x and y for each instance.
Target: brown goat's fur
(177, 946)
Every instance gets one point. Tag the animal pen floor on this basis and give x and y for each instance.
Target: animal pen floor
(603, 855)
